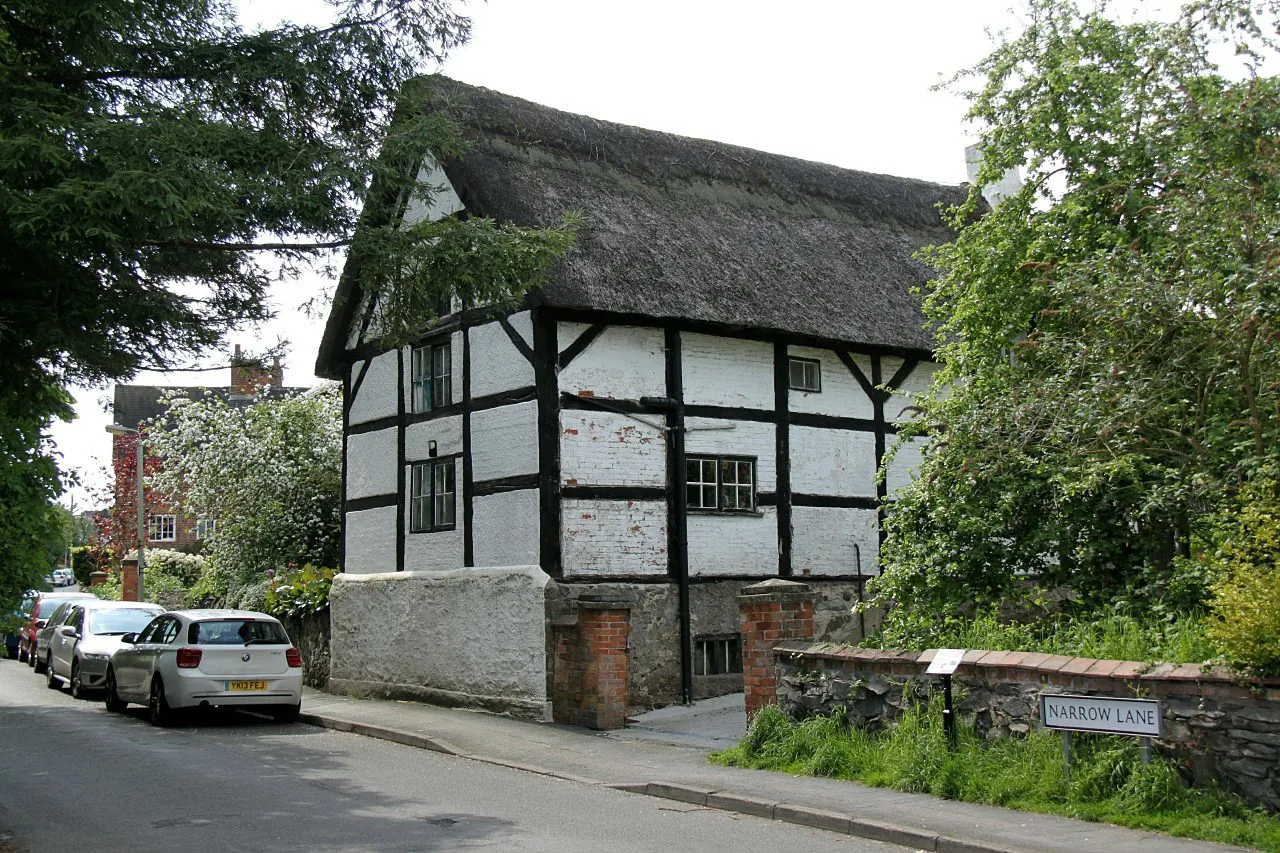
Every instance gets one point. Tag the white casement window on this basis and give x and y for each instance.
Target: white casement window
(432, 367)
(806, 374)
(162, 528)
(432, 496)
(721, 483)
(205, 528)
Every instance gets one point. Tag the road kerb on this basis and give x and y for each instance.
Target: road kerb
(917, 839)
(380, 732)
(817, 818)
(741, 804)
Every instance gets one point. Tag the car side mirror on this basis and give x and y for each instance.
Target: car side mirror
(68, 631)
(129, 638)
(40, 623)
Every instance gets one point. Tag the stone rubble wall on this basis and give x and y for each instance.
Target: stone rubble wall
(310, 633)
(1220, 732)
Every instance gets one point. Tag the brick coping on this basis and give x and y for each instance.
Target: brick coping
(981, 661)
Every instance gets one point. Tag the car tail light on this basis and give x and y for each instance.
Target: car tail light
(294, 657)
(188, 658)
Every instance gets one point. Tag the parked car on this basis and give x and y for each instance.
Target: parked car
(13, 624)
(63, 577)
(207, 658)
(42, 608)
(80, 637)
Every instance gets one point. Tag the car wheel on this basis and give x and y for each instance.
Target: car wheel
(286, 713)
(160, 712)
(115, 704)
(22, 655)
(31, 656)
(77, 684)
(50, 680)
(41, 666)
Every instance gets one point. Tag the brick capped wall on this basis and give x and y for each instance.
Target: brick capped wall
(589, 686)
(770, 612)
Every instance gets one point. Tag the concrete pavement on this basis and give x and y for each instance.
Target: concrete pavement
(663, 754)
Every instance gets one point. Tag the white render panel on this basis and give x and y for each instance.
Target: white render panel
(623, 363)
(441, 201)
(496, 364)
(913, 386)
(440, 551)
(505, 529)
(370, 541)
(504, 441)
(599, 448)
(371, 464)
(747, 438)
(833, 541)
(455, 371)
(720, 371)
(832, 462)
(614, 537)
(901, 469)
(445, 432)
(841, 393)
(728, 544)
(376, 397)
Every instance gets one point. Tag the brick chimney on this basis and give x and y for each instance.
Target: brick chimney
(246, 379)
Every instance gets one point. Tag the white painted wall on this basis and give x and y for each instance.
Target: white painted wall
(445, 432)
(901, 469)
(376, 397)
(599, 448)
(443, 199)
(620, 537)
(915, 384)
(504, 441)
(623, 362)
(747, 438)
(371, 541)
(829, 541)
(724, 544)
(441, 551)
(841, 393)
(506, 529)
(833, 462)
(371, 464)
(496, 364)
(720, 371)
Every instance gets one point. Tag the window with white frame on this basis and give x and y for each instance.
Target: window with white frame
(721, 483)
(432, 367)
(432, 496)
(162, 528)
(205, 528)
(806, 374)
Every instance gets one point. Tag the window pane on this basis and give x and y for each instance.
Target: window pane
(797, 374)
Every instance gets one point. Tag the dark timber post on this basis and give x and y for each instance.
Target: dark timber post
(678, 505)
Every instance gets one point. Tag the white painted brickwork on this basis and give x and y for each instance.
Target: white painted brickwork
(747, 438)
(720, 371)
(919, 380)
(623, 362)
(445, 432)
(830, 541)
(504, 441)
(496, 364)
(617, 537)
(377, 395)
(841, 393)
(599, 448)
(506, 529)
(455, 371)
(371, 464)
(440, 551)
(734, 544)
(371, 541)
(832, 462)
(902, 467)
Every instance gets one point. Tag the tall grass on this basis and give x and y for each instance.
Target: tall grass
(1108, 781)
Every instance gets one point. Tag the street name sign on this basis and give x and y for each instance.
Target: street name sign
(1141, 717)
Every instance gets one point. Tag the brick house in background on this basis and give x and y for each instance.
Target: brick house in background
(137, 405)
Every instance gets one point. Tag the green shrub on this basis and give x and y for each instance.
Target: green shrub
(1246, 598)
(299, 591)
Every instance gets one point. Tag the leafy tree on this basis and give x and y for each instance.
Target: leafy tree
(1108, 333)
(271, 474)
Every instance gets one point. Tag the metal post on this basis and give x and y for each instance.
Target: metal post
(1146, 750)
(142, 538)
(948, 715)
(1066, 753)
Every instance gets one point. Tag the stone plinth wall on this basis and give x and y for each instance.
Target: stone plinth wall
(310, 633)
(1218, 731)
(470, 637)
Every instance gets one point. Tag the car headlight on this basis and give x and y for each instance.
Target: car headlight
(91, 656)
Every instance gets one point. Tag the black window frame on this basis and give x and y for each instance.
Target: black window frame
(438, 384)
(431, 523)
(717, 654)
(817, 374)
(720, 461)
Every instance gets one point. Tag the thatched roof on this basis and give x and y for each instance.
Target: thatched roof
(687, 228)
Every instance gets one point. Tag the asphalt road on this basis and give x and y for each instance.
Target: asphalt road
(75, 778)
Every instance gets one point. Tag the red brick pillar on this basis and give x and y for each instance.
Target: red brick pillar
(770, 612)
(98, 578)
(129, 579)
(591, 681)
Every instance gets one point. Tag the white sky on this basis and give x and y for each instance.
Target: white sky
(845, 82)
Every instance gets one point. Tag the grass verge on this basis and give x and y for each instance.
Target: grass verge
(1108, 782)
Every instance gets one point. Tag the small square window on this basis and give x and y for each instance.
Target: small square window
(432, 367)
(161, 528)
(717, 655)
(205, 528)
(720, 483)
(806, 374)
(432, 497)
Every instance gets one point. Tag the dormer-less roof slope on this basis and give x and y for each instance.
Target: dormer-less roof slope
(687, 228)
(135, 404)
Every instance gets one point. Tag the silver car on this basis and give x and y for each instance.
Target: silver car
(81, 638)
(207, 658)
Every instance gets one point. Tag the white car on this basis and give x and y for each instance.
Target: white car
(78, 647)
(63, 577)
(207, 658)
